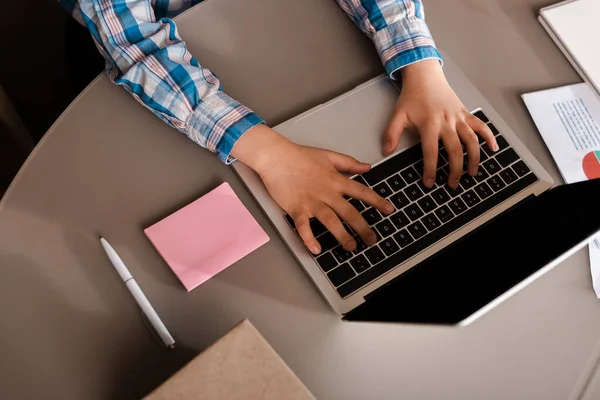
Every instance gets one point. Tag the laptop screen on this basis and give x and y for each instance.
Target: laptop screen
(466, 276)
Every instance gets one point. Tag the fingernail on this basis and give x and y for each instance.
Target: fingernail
(455, 185)
(389, 208)
(429, 182)
(351, 245)
(315, 249)
(387, 147)
(473, 171)
(495, 147)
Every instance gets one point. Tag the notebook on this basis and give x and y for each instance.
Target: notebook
(241, 365)
(206, 236)
(575, 26)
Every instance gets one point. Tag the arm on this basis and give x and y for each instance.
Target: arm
(151, 61)
(396, 27)
(148, 58)
(427, 103)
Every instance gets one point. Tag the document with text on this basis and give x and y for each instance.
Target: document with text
(568, 118)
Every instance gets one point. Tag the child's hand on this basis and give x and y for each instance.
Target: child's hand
(428, 103)
(305, 182)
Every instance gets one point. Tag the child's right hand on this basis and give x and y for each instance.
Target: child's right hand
(306, 182)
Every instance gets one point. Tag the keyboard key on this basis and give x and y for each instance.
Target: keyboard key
(399, 219)
(446, 229)
(479, 114)
(482, 156)
(493, 129)
(357, 204)
(491, 166)
(396, 182)
(480, 138)
(414, 212)
(470, 198)
(409, 175)
(348, 229)
(453, 192)
(372, 216)
(465, 162)
(397, 163)
(444, 214)
(360, 264)
(457, 206)
(441, 177)
(427, 204)
(521, 168)
(496, 183)
(383, 190)
(400, 200)
(502, 144)
(431, 222)
(389, 247)
(444, 153)
(467, 181)
(360, 245)
(440, 196)
(508, 176)
(327, 241)
(375, 255)
(441, 161)
(424, 188)
(482, 175)
(446, 169)
(327, 262)
(290, 221)
(413, 192)
(507, 157)
(385, 228)
(417, 230)
(341, 274)
(360, 180)
(317, 227)
(419, 167)
(342, 254)
(483, 190)
(403, 238)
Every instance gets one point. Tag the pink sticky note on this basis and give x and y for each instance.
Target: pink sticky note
(206, 236)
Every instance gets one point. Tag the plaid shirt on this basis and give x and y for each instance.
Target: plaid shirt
(145, 54)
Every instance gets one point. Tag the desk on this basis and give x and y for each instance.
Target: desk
(69, 328)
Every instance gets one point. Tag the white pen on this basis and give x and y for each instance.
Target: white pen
(138, 295)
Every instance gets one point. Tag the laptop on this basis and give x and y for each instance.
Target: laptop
(443, 257)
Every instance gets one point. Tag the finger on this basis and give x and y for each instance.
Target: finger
(483, 130)
(469, 139)
(345, 163)
(361, 192)
(333, 224)
(455, 152)
(429, 143)
(394, 130)
(351, 215)
(303, 226)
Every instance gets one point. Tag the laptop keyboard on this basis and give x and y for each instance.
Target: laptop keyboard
(423, 215)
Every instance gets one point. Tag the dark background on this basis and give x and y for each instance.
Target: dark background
(47, 59)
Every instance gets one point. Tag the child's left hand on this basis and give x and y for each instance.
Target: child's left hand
(428, 104)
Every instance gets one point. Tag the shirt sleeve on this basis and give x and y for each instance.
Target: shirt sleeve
(150, 60)
(397, 28)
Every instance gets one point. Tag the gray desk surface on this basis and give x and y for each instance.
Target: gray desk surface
(70, 330)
